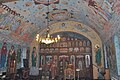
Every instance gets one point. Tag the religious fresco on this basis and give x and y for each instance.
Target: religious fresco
(101, 8)
(34, 57)
(98, 55)
(59, 15)
(46, 2)
(14, 26)
(117, 50)
(19, 54)
(111, 55)
(103, 12)
(116, 7)
(112, 52)
(63, 26)
(115, 27)
(81, 28)
(104, 8)
(3, 1)
(3, 55)
(23, 31)
(12, 55)
(84, 29)
(93, 13)
(11, 60)
(4, 52)
(96, 14)
(3, 20)
(75, 26)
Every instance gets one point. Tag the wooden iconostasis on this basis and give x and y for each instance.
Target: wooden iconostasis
(70, 58)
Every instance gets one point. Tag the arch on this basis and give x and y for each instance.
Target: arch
(82, 29)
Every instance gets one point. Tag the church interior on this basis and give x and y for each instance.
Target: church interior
(59, 39)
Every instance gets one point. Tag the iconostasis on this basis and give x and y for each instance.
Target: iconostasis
(71, 57)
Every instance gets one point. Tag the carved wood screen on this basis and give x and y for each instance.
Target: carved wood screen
(70, 58)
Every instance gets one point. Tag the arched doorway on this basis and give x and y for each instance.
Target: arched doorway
(70, 58)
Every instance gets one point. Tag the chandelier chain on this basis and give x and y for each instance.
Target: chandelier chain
(48, 38)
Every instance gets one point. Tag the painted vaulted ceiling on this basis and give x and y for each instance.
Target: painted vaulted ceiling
(4, 1)
(21, 19)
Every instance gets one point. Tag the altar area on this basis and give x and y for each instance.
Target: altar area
(68, 59)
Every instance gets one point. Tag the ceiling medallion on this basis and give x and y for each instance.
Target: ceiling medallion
(45, 2)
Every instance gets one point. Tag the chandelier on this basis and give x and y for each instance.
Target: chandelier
(47, 38)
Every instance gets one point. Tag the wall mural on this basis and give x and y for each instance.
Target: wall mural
(34, 57)
(4, 50)
(98, 55)
(94, 13)
(19, 54)
(84, 29)
(116, 7)
(11, 56)
(81, 28)
(103, 11)
(15, 27)
(3, 1)
(3, 55)
(114, 27)
(117, 50)
(46, 1)
(111, 56)
(11, 60)
(59, 15)
(3, 21)
(75, 26)
(112, 52)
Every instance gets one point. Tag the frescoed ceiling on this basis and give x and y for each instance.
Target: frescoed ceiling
(4, 1)
(26, 17)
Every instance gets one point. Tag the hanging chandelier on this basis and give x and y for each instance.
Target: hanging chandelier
(47, 38)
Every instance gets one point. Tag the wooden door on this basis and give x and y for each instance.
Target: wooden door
(84, 67)
(63, 62)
